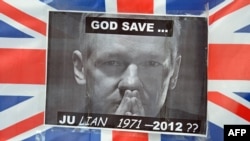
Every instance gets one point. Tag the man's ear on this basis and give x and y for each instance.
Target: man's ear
(173, 80)
(78, 67)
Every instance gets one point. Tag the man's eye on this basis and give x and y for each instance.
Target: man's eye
(152, 64)
(112, 63)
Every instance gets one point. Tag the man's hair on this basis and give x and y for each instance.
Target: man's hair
(86, 39)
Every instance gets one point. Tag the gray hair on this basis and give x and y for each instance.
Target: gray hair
(85, 40)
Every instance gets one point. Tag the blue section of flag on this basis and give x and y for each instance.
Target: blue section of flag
(86, 5)
(186, 6)
(177, 138)
(245, 95)
(213, 3)
(67, 134)
(215, 133)
(8, 31)
(245, 29)
(9, 101)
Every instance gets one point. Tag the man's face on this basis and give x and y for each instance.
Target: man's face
(127, 74)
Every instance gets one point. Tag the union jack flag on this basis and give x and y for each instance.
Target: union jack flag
(23, 65)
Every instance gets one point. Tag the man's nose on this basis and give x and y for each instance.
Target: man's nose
(130, 79)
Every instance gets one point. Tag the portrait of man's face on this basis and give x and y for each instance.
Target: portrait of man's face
(126, 75)
(112, 70)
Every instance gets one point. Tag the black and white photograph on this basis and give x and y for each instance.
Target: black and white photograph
(127, 71)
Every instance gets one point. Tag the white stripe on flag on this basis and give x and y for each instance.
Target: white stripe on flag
(38, 132)
(111, 6)
(22, 89)
(221, 116)
(34, 8)
(20, 26)
(38, 42)
(228, 87)
(220, 6)
(15, 43)
(221, 28)
(154, 137)
(106, 135)
(160, 7)
(22, 110)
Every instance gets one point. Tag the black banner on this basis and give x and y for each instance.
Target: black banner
(128, 122)
(124, 26)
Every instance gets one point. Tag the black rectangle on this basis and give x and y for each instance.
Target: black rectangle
(126, 26)
(128, 122)
(236, 132)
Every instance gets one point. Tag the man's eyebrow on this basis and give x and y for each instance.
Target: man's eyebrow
(109, 54)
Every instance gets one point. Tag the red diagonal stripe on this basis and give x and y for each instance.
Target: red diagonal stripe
(21, 127)
(230, 104)
(129, 136)
(23, 18)
(235, 5)
(229, 61)
(22, 66)
(135, 6)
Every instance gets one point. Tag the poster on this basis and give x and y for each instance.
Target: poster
(127, 72)
(23, 51)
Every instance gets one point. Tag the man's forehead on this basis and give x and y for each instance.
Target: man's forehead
(128, 38)
(133, 45)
